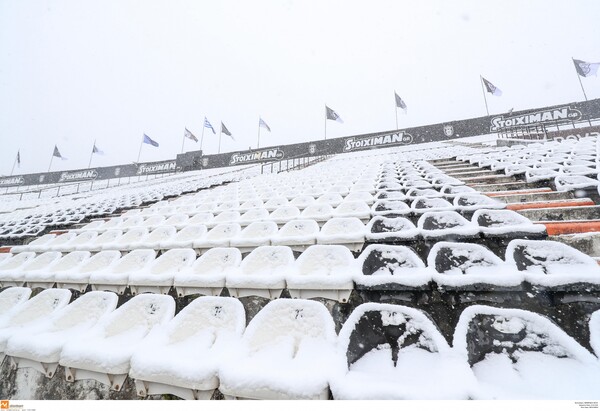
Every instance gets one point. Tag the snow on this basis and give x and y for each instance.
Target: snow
(323, 267)
(439, 224)
(265, 267)
(10, 299)
(505, 222)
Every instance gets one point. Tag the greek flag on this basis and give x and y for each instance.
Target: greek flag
(208, 125)
(332, 115)
(399, 102)
(148, 140)
(261, 123)
(491, 88)
(188, 134)
(585, 69)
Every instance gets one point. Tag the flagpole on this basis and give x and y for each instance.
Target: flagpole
(183, 142)
(580, 83)
(202, 137)
(140, 152)
(14, 164)
(484, 97)
(220, 138)
(396, 111)
(91, 155)
(258, 141)
(325, 121)
(51, 158)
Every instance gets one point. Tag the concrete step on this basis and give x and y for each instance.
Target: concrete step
(573, 202)
(559, 214)
(475, 173)
(538, 196)
(505, 187)
(588, 243)
(489, 179)
(458, 167)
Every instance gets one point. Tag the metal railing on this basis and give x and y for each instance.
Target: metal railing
(292, 163)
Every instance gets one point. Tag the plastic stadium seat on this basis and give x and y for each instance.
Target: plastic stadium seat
(184, 238)
(517, 354)
(225, 217)
(250, 204)
(40, 348)
(16, 277)
(123, 242)
(552, 264)
(101, 240)
(40, 241)
(444, 225)
(254, 215)
(177, 220)
(200, 218)
(45, 277)
(320, 212)
(10, 299)
(262, 273)
(81, 239)
(325, 271)
(77, 278)
(358, 209)
(348, 231)
(155, 238)
(207, 274)
(254, 235)
(567, 182)
(57, 241)
(333, 199)
(391, 207)
(506, 223)
(391, 230)
(302, 201)
(394, 352)
(31, 313)
(287, 353)
(100, 354)
(422, 205)
(283, 214)
(14, 263)
(471, 267)
(297, 234)
(276, 202)
(219, 236)
(182, 357)
(115, 277)
(472, 202)
(389, 267)
(158, 276)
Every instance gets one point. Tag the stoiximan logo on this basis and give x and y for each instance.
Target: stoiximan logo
(156, 168)
(239, 158)
(78, 175)
(356, 143)
(12, 181)
(563, 113)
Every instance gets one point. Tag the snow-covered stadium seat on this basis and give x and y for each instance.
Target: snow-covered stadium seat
(552, 264)
(31, 313)
(254, 215)
(471, 267)
(394, 352)
(102, 239)
(40, 348)
(182, 357)
(261, 273)
(287, 353)
(100, 353)
(506, 224)
(472, 202)
(115, 277)
(394, 207)
(297, 234)
(184, 238)
(283, 214)
(46, 277)
(225, 217)
(81, 239)
(276, 202)
(16, 277)
(154, 238)
(133, 235)
(518, 355)
(391, 230)
(391, 267)
(446, 225)
(325, 271)
(357, 208)
(346, 231)
(207, 274)
(158, 276)
(200, 218)
(254, 235)
(56, 241)
(78, 277)
(333, 199)
(40, 241)
(219, 236)
(320, 212)
(11, 298)
(14, 263)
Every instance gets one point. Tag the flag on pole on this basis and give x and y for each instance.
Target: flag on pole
(225, 131)
(261, 123)
(585, 69)
(332, 115)
(56, 153)
(188, 134)
(19, 158)
(148, 140)
(208, 125)
(491, 88)
(399, 102)
(96, 150)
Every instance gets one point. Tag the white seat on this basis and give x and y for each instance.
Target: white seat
(16, 277)
(283, 214)
(358, 209)
(325, 271)
(207, 274)
(225, 217)
(392, 352)
(154, 238)
(56, 241)
(97, 243)
(360, 196)
(254, 235)
(11, 298)
(184, 238)
(14, 263)
(115, 277)
(320, 212)
(276, 202)
(182, 357)
(349, 231)
(133, 235)
(84, 238)
(100, 353)
(254, 215)
(131, 222)
(261, 273)
(177, 220)
(78, 277)
(158, 277)
(297, 234)
(37, 242)
(287, 353)
(302, 201)
(40, 348)
(31, 313)
(199, 218)
(45, 277)
(250, 204)
(333, 199)
(219, 236)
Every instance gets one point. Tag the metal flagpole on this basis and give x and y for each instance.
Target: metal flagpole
(14, 164)
(258, 141)
(220, 138)
(396, 110)
(91, 155)
(484, 97)
(579, 78)
(140, 152)
(183, 142)
(202, 137)
(325, 121)
(51, 158)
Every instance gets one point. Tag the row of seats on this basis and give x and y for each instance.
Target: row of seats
(290, 349)
(327, 271)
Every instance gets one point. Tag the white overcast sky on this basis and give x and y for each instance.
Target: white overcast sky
(76, 71)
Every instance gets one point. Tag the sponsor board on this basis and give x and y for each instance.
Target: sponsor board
(256, 156)
(155, 168)
(358, 143)
(12, 181)
(78, 175)
(543, 116)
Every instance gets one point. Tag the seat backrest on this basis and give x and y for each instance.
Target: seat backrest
(108, 236)
(317, 210)
(299, 228)
(266, 260)
(47, 237)
(88, 308)
(380, 259)
(325, 260)
(223, 231)
(17, 260)
(69, 261)
(286, 211)
(173, 261)
(254, 214)
(330, 198)
(62, 239)
(276, 202)
(461, 258)
(100, 260)
(177, 219)
(200, 218)
(259, 229)
(440, 220)
(39, 306)
(42, 261)
(342, 226)
(132, 236)
(217, 260)
(143, 312)
(227, 216)
(160, 234)
(13, 297)
(548, 256)
(133, 261)
(353, 207)
(190, 232)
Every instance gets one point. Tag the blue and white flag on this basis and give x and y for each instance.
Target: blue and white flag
(148, 140)
(585, 69)
(399, 102)
(208, 125)
(491, 88)
(332, 115)
(96, 150)
(261, 123)
(188, 134)
(56, 153)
